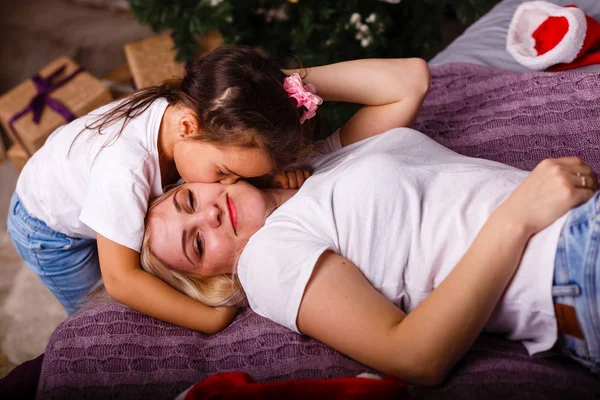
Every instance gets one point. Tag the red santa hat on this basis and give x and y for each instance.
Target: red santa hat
(543, 36)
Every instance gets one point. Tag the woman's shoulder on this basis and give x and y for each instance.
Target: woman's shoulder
(285, 238)
(275, 267)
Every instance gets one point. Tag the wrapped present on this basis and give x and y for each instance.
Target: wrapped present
(118, 82)
(152, 61)
(17, 156)
(59, 93)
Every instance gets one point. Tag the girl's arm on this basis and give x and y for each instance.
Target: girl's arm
(127, 283)
(341, 308)
(392, 91)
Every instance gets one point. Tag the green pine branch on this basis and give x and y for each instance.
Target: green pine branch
(311, 32)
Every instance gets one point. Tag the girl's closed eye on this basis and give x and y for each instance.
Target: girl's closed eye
(227, 178)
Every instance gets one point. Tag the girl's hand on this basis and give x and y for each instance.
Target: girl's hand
(554, 187)
(289, 180)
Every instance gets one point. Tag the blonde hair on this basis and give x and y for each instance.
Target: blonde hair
(214, 291)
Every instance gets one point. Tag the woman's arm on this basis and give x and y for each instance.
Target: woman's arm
(341, 309)
(127, 283)
(392, 91)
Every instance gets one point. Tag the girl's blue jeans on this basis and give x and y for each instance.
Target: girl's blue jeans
(577, 281)
(68, 266)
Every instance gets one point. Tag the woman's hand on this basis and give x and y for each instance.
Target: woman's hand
(391, 91)
(553, 188)
(290, 179)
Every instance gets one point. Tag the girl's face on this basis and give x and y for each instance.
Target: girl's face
(198, 161)
(203, 227)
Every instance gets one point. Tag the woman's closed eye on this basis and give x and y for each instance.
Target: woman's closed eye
(198, 245)
(191, 201)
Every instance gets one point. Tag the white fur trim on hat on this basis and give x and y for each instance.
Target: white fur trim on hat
(528, 17)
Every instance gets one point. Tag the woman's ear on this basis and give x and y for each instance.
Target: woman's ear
(188, 125)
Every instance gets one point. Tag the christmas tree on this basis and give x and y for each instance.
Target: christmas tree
(312, 32)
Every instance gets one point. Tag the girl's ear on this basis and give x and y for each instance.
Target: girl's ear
(188, 124)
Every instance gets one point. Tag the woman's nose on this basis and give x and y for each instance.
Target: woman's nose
(209, 216)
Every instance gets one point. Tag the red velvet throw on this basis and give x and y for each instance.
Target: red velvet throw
(238, 385)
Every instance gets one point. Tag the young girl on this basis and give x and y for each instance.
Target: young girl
(78, 210)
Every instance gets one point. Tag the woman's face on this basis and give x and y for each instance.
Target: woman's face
(202, 227)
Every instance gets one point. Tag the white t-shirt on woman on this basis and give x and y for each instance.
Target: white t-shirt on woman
(102, 185)
(404, 210)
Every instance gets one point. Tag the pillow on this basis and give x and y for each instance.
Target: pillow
(484, 42)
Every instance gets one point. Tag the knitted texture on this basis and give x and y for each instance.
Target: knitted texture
(513, 117)
(119, 352)
(109, 351)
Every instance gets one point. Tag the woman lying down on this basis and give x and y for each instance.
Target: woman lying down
(397, 251)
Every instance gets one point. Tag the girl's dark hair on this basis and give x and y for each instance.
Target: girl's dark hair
(238, 97)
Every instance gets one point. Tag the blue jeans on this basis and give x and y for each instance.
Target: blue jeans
(68, 266)
(577, 281)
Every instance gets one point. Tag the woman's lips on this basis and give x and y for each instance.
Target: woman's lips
(232, 213)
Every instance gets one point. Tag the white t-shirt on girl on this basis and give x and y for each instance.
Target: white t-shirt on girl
(103, 185)
(404, 210)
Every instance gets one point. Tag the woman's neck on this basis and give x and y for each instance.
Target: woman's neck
(276, 197)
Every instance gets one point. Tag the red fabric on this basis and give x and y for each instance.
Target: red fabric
(238, 385)
(588, 54)
(592, 35)
(549, 34)
(552, 31)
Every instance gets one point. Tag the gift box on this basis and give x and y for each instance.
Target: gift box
(59, 93)
(119, 82)
(17, 156)
(152, 61)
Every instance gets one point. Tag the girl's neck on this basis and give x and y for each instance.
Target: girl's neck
(165, 143)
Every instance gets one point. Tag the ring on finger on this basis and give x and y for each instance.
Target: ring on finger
(583, 180)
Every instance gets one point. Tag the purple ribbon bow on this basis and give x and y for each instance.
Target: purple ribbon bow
(44, 87)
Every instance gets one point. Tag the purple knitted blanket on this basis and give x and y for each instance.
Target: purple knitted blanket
(107, 350)
(513, 117)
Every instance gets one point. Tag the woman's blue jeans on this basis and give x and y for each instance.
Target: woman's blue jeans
(577, 281)
(68, 266)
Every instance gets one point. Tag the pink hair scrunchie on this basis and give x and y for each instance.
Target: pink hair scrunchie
(305, 95)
